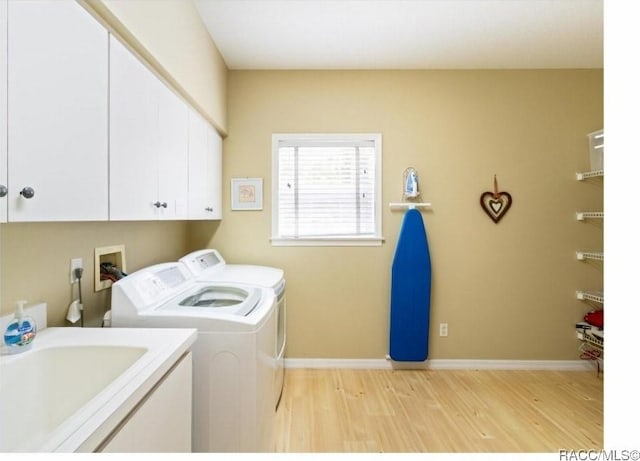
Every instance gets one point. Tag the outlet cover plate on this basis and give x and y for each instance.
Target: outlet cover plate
(76, 263)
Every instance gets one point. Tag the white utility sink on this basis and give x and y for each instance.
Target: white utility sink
(76, 385)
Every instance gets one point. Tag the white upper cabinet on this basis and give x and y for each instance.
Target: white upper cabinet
(148, 143)
(57, 113)
(88, 132)
(3, 112)
(205, 169)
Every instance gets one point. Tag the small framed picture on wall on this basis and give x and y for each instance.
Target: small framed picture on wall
(246, 194)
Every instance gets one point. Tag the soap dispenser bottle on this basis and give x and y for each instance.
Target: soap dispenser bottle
(21, 331)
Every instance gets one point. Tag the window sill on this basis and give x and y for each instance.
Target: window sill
(328, 242)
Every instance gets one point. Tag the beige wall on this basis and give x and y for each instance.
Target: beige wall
(507, 291)
(35, 260)
(170, 35)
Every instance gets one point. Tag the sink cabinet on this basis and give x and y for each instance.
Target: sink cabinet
(97, 389)
(161, 423)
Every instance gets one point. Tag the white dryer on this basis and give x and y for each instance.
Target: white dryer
(209, 265)
(233, 372)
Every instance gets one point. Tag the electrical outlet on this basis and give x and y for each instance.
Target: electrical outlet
(444, 329)
(76, 263)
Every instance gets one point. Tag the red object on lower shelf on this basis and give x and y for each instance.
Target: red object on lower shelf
(595, 318)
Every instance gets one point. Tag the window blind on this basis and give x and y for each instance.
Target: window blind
(326, 188)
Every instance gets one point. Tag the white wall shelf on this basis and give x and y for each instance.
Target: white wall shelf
(409, 205)
(597, 255)
(592, 345)
(589, 174)
(582, 215)
(597, 296)
(594, 340)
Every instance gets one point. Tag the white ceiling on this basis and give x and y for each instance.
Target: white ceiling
(406, 34)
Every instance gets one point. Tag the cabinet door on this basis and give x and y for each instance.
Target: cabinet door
(162, 422)
(205, 169)
(57, 117)
(214, 140)
(133, 117)
(3, 112)
(148, 143)
(172, 155)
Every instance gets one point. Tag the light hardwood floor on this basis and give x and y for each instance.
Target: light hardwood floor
(450, 411)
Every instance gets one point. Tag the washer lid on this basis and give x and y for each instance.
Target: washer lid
(211, 298)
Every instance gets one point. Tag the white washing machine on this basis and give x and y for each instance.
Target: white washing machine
(233, 357)
(209, 265)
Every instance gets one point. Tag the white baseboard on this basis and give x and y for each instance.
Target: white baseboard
(442, 364)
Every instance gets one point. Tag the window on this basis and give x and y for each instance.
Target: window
(326, 189)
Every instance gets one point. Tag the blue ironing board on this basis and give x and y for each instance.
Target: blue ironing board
(410, 292)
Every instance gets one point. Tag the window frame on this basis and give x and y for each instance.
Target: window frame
(277, 240)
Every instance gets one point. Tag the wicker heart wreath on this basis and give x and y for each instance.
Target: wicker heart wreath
(496, 204)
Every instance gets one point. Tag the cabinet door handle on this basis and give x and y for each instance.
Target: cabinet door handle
(27, 192)
(3, 190)
(208, 209)
(160, 204)
(156, 204)
(163, 204)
